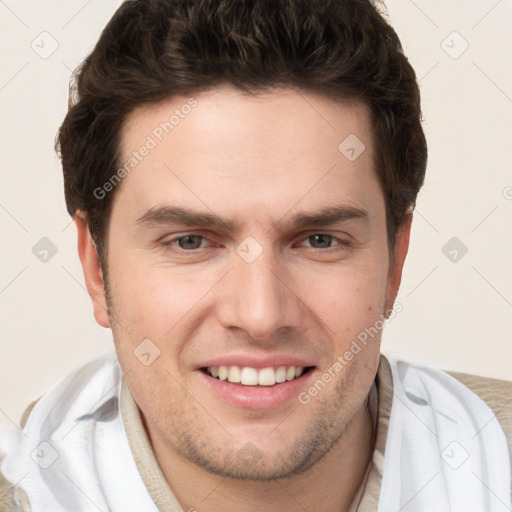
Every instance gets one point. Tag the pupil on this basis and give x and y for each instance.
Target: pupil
(321, 241)
(190, 242)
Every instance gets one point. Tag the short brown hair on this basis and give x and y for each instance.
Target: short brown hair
(153, 49)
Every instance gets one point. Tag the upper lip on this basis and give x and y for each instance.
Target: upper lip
(258, 362)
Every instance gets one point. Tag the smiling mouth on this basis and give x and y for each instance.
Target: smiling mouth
(248, 376)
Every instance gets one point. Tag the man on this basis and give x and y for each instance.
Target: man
(242, 175)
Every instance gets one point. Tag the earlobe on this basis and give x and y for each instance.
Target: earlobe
(397, 262)
(92, 270)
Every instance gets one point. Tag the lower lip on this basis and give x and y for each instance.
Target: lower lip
(256, 397)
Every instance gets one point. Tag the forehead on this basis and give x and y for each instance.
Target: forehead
(272, 150)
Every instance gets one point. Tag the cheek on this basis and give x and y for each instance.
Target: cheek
(155, 299)
(346, 299)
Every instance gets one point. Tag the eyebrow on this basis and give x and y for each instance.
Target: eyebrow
(164, 215)
(168, 215)
(327, 216)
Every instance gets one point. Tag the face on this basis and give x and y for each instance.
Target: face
(244, 244)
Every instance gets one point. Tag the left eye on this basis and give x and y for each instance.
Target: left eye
(321, 241)
(189, 242)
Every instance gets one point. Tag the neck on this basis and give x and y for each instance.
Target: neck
(330, 484)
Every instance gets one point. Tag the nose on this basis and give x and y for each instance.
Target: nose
(258, 298)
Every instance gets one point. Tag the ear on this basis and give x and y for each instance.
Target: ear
(397, 260)
(92, 270)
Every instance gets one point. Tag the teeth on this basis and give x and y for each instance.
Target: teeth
(281, 374)
(249, 376)
(234, 374)
(223, 372)
(253, 377)
(267, 377)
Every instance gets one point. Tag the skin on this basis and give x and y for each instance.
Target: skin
(257, 162)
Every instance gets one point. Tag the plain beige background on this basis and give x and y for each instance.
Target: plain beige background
(456, 308)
